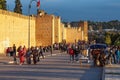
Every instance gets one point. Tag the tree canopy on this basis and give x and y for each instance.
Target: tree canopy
(3, 4)
(108, 39)
(117, 42)
(18, 7)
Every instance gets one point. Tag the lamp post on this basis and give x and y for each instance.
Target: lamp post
(29, 22)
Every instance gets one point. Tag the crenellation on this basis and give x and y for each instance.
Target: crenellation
(44, 30)
(9, 13)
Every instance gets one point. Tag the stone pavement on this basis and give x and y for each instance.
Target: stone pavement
(56, 67)
(112, 72)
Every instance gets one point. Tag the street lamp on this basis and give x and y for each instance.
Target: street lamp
(29, 22)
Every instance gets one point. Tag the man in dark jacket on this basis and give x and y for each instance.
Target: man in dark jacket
(76, 51)
(14, 53)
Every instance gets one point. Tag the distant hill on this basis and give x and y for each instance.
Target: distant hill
(105, 25)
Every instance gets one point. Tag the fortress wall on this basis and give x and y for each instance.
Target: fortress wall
(57, 29)
(14, 30)
(71, 35)
(84, 30)
(61, 32)
(44, 32)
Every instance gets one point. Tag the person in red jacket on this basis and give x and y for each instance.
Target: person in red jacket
(71, 53)
(21, 55)
(8, 51)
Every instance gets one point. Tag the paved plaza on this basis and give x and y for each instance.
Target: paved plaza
(55, 67)
(112, 72)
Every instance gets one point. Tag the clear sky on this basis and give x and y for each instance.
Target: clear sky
(75, 10)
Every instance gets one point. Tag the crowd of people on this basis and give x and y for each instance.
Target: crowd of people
(76, 50)
(102, 56)
(31, 55)
(113, 54)
(25, 54)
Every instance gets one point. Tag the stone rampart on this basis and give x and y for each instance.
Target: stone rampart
(14, 30)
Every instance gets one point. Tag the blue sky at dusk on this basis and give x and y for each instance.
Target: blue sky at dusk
(75, 10)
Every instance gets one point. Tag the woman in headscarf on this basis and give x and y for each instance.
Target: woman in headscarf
(21, 55)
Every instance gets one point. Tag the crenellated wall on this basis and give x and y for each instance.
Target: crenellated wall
(14, 30)
(48, 29)
(45, 30)
(73, 34)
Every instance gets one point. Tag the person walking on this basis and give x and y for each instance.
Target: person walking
(41, 52)
(21, 55)
(71, 53)
(14, 53)
(35, 55)
(8, 52)
(110, 55)
(118, 55)
(113, 55)
(76, 51)
(28, 56)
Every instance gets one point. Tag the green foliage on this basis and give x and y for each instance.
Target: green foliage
(18, 7)
(3, 4)
(117, 42)
(114, 37)
(108, 39)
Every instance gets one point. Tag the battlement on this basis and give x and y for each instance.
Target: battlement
(9, 13)
(45, 29)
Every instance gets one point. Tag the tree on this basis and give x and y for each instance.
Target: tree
(108, 39)
(117, 42)
(3, 4)
(114, 37)
(18, 7)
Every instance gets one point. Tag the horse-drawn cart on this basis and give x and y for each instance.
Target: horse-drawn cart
(98, 54)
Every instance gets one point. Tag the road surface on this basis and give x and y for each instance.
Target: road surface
(56, 67)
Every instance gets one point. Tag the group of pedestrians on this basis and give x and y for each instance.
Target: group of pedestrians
(73, 52)
(104, 56)
(113, 54)
(76, 50)
(22, 54)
